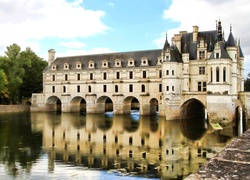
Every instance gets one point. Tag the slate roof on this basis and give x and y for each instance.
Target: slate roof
(151, 55)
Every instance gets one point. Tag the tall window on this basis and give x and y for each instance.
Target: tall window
(53, 77)
(91, 76)
(89, 88)
(130, 74)
(160, 73)
(160, 87)
(78, 76)
(78, 88)
(117, 75)
(167, 88)
(116, 88)
(201, 54)
(211, 70)
(217, 74)
(167, 72)
(144, 74)
(224, 74)
(172, 72)
(66, 77)
(53, 89)
(64, 89)
(131, 88)
(104, 75)
(142, 88)
(104, 88)
(202, 70)
(172, 88)
(202, 86)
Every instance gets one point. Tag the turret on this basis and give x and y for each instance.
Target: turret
(51, 56)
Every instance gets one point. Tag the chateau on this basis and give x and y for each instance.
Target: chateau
(196, 74)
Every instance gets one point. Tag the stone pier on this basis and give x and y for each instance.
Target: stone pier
(232, 163)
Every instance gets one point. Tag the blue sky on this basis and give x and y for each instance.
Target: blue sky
(77, 27)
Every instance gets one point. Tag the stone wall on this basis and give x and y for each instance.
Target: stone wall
(14, 108)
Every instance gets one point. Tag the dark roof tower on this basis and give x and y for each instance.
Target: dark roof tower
(230, 40)
(166, 45)
(219, 31)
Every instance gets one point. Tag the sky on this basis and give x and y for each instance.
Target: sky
(79, 27)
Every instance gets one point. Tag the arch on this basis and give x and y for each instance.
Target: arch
(78, 104)
(193, 108)
(104, 104)
(131, 104)
(153, 106)
(53, 103)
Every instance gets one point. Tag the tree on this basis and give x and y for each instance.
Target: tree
(3, 85)
(33, 77)
(247, 83)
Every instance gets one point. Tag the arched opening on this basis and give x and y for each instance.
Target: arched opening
(153, 106)
(53, 103)
(217, 74)
(194, 119)
(131, 105)
(104, 105)
(78, 104)
(193, 108)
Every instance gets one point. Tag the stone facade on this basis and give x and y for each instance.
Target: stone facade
(198, 67)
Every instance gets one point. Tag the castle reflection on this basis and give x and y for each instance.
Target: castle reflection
(147, 145)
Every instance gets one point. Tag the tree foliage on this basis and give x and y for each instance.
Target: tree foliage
(247, 83)
(23, 70)
(3, 85)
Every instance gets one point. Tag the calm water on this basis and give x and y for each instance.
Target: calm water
(73, 146)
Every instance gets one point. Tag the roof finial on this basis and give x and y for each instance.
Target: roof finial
(230, 27)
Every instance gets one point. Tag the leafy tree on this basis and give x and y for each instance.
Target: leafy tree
(33, 77)
(3, 85)
(247, 83)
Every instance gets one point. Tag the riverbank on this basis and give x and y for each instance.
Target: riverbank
(232, 163)
(14, 108)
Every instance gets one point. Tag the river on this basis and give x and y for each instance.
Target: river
(105, 146)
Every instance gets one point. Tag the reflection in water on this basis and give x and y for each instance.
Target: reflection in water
(122, 145)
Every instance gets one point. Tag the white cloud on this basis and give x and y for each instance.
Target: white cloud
(25, 21)
(204, 13)
(73, 44)
(111, 4)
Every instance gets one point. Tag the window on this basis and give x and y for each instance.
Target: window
(160, 73)
(217, 74)
(172, 88)
(217, 55)
(201, 54)
(144, 74)
(66, 66)
(89, 88)
(211, 70)
(202, 70)
(66, 77)
(172, 72)
(142, 88)
(224, 74)
(202, 86)
(130, 75)
(78, 88)
(78, 76)
(64, 89)
(167, 72)
(117, 75)
(131, 88)
(167, 58)
(91, 76)
(104, 75)
(160, 87)
(104, 88)
(78, 65)
(167, 88)
(116, 88)
(53, 77)
(91, 64)
(53, 89)
(130, 140)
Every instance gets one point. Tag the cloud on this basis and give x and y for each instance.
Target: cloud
(111, 4)
(26, 21)
(204, 13)
(73, 44)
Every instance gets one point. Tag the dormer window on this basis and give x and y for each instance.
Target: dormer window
(66, 66)
(91, 64)
(105, 64)
(118, 63)
(53, 67)
(78, 65)
(159, 61)
(131, 62)
(144, 61)
(167, 57)
(217, 55)
(201, 54)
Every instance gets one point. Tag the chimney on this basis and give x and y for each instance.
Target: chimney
(195, 33)
(51, 56)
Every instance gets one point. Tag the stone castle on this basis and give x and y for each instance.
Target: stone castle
(197, 74)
